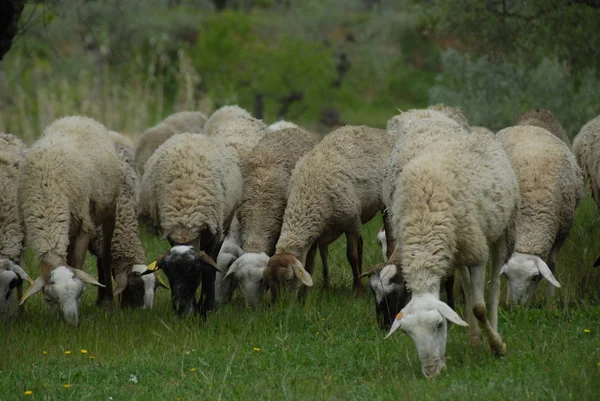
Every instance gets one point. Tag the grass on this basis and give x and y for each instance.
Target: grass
(327, 349)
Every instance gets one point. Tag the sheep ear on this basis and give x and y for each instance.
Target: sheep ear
(21, 273)
(205, 258)
(160, 281)
(87, 278)
(397, 324)
(37, 286)
(503, 270)
(302, 274)
(121, 283)
(232, 269)
(450, 314)
(154, 266)
(546, 272)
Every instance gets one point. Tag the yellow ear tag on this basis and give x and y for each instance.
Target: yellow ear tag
(399, 316)
(160, 280)
(152, 266)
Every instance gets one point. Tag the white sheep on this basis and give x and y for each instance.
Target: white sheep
(281, 124)
(456, 199)
(12, 151)
(543, 119)
(177, 123)
(586, 147)
(334, 189)
(222, 115)
(69, 184)
(551, 186)
(230, 251)
(266, 175)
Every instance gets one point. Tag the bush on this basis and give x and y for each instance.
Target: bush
(492, 94)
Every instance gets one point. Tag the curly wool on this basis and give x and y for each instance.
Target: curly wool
(12, 152)
(586, 147)
(177, 123)
(453, 199)
(334, 188)
(70, 179)
(416, 129)
(543, 119)
(551, 185)
(222, 115)
(126, 245)
(266, 175)
(192, 182)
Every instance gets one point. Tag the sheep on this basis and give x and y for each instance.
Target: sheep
(121, 140)
(128, 254)
(453, 113)
(551, 185)
(281, 124)
(12, 151)
(454, 201)
(222, 115)
(482, 130)
(230, 251)
(586, 147)
(543, 119)
(69, 184)
(151, 139)
(266, 174)
(334, 189)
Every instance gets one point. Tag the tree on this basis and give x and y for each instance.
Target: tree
(10, 12)
(521, 30)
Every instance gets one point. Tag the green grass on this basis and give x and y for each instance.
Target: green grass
(327, 349)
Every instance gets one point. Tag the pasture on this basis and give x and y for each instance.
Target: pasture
(328, 349)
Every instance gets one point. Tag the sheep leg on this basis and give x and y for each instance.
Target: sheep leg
(209, 275)
(499, 256)
(353, 255)
(449, 287)
(324, 252)
(479, 309)
(310, 268)
(105, 295)
(474, 330)
(389, 235)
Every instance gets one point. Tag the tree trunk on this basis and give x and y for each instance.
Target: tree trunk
(10, 11)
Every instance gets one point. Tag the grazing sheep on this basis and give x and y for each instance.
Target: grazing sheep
(543, 119)
(266, 175)
(222, 115)
(128, 254)
(482, 130)
(69, 184)
(177, 123)
(12, 151)
(248, 271)
(586, 147)
(551, 187)
(229, 252)
(454, 201)
(334, 189)
(281, 124)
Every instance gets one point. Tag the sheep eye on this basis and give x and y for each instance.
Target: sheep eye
(440, 325)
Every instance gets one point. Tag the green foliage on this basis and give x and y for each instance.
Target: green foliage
(493, 94)
(521, 31)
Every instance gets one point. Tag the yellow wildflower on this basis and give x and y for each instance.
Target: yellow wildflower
(44, 352)
(192, 369)
(84, 351)
(67, 352)
(92, 357)
(67, 386)
(587, 331)
(323, 318)
(256, 349)
(28, 392)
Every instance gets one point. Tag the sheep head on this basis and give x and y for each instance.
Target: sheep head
(137, 290)
(424, 320)
(284, 270)
(183, 265)
(248, 271)
(62, 288)
(387, 286)
(524, 273)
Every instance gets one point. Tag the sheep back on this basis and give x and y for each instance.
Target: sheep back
(222, 115)
(543, 119)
